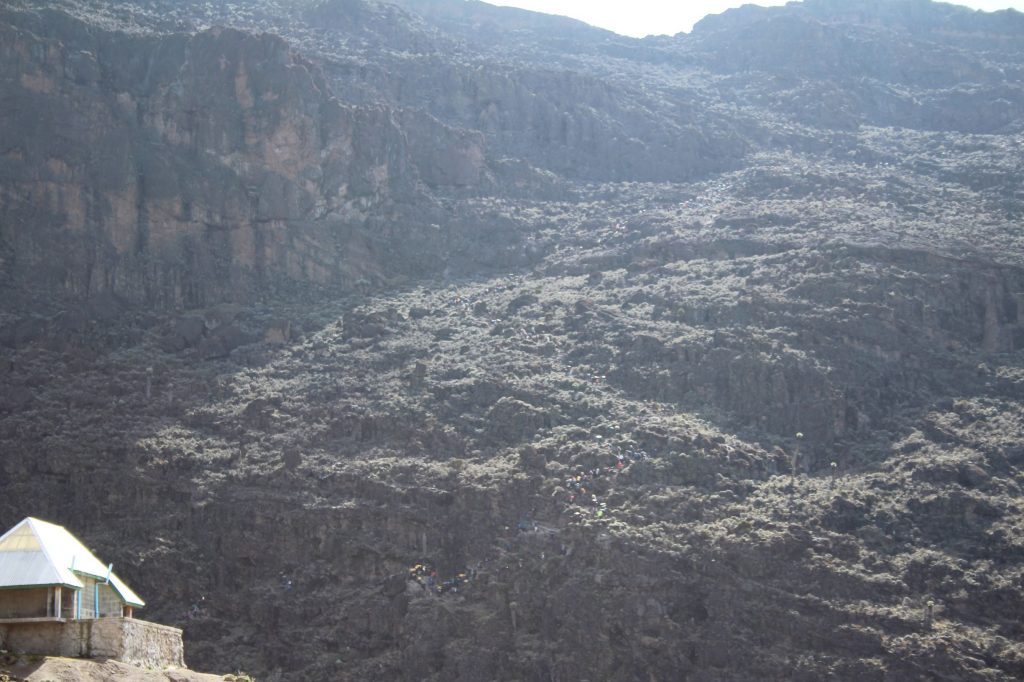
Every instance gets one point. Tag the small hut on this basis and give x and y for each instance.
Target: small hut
(57, 599)
(46, 574)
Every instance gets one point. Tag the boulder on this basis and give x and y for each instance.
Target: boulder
(221, 341)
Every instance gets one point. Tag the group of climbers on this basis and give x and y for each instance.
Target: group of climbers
(625, 457)
(581, 486)
(428, 579)
(582, 489)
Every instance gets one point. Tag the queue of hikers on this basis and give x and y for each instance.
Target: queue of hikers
(582, 487)
(430, 581)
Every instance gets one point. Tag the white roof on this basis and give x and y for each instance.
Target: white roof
(37, 553)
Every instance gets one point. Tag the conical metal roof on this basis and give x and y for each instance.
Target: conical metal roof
(36, 553)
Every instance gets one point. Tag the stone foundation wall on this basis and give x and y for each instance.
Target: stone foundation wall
(124, 639)
(137, 641)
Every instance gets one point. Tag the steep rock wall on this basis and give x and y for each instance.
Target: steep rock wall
(182, 170)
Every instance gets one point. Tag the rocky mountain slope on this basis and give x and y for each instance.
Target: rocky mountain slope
(697, 357)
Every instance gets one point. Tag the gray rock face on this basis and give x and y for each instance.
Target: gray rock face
(220, 165)
(903, 63)
(153, 199)
(191, 169)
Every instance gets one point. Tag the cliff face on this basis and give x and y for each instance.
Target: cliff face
(299, 295)
(182, 170)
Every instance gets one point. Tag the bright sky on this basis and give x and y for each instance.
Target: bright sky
(645, 17)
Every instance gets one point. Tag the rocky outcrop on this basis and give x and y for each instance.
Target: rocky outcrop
(182, 170)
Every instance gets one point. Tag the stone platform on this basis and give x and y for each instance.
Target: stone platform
(122, 639)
